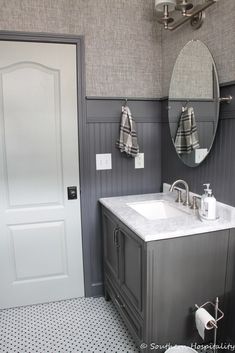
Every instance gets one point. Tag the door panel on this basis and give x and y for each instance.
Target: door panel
(40, 229)
(34, 166)
(42, 238)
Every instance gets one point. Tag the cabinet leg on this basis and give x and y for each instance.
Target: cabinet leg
(106, 295)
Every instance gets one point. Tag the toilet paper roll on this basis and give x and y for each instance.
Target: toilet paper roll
(203, 321)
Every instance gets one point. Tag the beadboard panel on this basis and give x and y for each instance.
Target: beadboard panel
(123, 178)
(161, 164)
(218, 168)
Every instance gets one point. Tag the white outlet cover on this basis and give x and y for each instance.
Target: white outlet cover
(139, 161)
(200, 154)
(103, 161)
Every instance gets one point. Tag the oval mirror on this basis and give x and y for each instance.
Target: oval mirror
(193, 103)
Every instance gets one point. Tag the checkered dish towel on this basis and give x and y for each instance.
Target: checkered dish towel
(128, 139)
(186, 139)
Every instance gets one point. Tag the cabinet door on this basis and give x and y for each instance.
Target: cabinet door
(132, 321)
(111, 247)
(184, 272)
(131, 255)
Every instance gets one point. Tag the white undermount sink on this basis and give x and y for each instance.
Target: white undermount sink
(157, 209)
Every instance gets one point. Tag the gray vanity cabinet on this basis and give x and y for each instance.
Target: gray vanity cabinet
(123, 260)
(123, 264)
(156, 284)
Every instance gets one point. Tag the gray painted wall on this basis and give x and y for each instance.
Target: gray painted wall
(161, 164)
(122, 39)
(102, 130)
(217, 33)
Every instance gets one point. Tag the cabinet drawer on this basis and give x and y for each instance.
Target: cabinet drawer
(134, 324)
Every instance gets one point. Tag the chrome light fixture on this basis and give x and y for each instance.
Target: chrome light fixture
(194, 14)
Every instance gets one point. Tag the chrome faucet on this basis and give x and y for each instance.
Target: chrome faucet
(180, 181)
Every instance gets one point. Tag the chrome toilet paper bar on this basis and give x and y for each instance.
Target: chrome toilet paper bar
(216, 318)
(216, 308)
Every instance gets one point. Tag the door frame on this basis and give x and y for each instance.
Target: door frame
(79, 41)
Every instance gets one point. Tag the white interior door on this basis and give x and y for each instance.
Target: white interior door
(40, 229)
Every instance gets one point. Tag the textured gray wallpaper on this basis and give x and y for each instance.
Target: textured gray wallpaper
(217, 33)
(123, 41)
(124, 48)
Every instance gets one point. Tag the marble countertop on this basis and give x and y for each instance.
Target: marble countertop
(187, 224)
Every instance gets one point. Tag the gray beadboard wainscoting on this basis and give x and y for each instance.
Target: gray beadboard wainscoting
(101, 131)
(162, 164)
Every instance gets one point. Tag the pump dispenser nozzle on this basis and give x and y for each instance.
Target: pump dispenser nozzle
(207, 187)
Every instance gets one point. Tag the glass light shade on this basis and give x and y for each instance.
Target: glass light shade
(159, 5)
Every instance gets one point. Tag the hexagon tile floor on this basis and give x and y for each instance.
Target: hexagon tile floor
(72, 326)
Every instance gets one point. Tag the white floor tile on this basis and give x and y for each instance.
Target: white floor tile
(78, 325)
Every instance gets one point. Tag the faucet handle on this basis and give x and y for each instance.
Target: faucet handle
(179, 196)
(194, 205)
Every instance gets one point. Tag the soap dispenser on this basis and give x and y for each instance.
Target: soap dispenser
(208, 204)
(203, 198)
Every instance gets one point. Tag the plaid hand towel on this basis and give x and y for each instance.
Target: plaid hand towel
(186, 139)
(128, 139)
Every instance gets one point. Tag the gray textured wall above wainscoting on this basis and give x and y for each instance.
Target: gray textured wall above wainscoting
(122, 39)
(101, 131)
(217, 33)
(127, 52)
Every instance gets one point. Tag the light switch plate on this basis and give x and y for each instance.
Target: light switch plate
(139, 161)
(200, 154)
(103, 161)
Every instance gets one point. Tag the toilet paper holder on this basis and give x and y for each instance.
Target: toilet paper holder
(217, 310)
(217, 318)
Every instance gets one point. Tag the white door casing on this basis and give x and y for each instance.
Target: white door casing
(40, 229)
